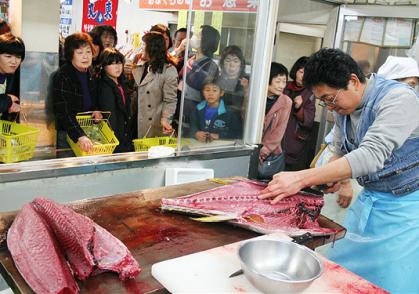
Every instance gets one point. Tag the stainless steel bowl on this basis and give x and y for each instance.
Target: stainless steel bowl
(274, 266)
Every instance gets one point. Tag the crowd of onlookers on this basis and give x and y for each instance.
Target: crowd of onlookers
(142, 92)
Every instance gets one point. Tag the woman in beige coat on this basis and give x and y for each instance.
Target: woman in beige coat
(156, 85)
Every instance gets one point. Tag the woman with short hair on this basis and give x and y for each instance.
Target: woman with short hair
(74, 91)
(233, 77)
(12, 53)
(299, 130)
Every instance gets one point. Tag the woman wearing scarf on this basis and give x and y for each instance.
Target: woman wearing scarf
(300, 123)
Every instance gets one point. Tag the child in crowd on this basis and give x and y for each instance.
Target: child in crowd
(212, 120)
(113, 97)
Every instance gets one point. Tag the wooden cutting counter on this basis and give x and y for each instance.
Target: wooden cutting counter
(151, 236)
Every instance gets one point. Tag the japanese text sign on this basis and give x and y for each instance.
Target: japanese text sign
(210, 5)
(99, 13)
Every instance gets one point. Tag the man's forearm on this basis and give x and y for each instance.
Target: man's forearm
(334, 171)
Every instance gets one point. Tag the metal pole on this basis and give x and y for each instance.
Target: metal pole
(259, 78)
(185, 69)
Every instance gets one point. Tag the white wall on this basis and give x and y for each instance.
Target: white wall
(130, 17)
(292, 46)
(37, 22)
(304, 11)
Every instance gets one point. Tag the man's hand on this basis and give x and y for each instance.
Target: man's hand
(85, 144)
(298, 101)
(201, 136)
(282, 185)
(167, 127)
(345, 194)
(332, 187)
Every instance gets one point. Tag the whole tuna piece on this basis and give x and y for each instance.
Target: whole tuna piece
(37, 255)
(88, 246)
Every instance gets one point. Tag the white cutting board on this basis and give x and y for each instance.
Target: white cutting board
(208, 272)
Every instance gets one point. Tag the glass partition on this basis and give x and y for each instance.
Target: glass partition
(209, 42)
(370, 40)
(215, 78)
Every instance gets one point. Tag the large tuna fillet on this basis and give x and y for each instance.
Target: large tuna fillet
(73, 231)
(87, 246)
(37, 255)
(293, 215)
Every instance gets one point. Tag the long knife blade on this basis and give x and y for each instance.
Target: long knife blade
(236, 273)
(214, 218)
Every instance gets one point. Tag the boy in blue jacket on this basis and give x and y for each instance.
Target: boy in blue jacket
(212, 120)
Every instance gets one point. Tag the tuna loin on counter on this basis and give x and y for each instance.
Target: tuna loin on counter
(292, 214)
(73, 232)
(112, 255)
(37, 255)
(87, 246)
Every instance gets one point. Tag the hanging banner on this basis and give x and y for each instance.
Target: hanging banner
(210, 5)
(66, 15)
(99, 13)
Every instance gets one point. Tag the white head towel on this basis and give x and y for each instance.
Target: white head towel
(399, 68)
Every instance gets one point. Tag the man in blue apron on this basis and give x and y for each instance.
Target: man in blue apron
(376, 141)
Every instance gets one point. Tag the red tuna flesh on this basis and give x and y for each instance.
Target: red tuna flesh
(37, 255)
(87, 245)
(112, 255)
(241, 199)
(73, 231)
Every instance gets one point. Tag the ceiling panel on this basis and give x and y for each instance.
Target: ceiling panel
(376, 2)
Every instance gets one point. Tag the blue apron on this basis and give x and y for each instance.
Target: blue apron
(382, 241)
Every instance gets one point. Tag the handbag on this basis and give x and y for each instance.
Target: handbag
(271, 165)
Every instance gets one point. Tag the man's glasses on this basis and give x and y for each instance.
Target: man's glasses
(324, 102)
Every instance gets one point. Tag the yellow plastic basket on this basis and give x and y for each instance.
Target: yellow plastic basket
(17, 142)
(145, 143)
(105, 132)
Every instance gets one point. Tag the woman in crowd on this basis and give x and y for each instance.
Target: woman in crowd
(113, 97)
(12, 53)
(107, 35)
(278, 107)
(233, 78)
(74, 91)
(165, 31)
(138, 58)
(96, 51)
(200, 67)
(4, 27)
(299, 128)
(156, 84)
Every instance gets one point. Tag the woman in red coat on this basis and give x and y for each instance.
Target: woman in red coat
(300, 123)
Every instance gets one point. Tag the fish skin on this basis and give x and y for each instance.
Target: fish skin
(241, 200)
